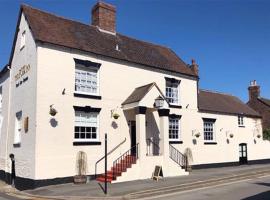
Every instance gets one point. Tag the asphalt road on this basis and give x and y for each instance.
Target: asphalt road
(255, 189)
(7, 197)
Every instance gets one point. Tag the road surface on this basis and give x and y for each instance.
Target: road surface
(255, 189)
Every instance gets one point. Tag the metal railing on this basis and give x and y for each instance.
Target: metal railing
(178, 157)
(125, 160)
(153, 148)
(108, 154)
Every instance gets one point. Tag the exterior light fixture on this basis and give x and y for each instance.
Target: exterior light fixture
(159, 102)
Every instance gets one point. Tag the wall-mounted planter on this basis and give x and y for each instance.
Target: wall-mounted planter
(52, 111)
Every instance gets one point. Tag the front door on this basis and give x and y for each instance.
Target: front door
(243, 154)
(133, 137)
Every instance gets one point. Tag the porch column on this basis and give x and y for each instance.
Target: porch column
(164, 131)
(141, 130)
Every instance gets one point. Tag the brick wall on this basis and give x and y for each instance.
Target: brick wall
(263, 109)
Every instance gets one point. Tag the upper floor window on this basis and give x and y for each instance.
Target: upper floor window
(172, 91)
(209, 130)
(240, 120)
(86, 77)
(23, 39)
(86, 126)
(174, 128)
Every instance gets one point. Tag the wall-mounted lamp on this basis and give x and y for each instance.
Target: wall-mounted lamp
(159, 102)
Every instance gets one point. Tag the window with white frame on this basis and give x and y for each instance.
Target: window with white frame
(86, 126)
(86, 80)
(208, 130)
(174, 129)
(240, 120)
(172, 91)
(23, 39)
(18, 128)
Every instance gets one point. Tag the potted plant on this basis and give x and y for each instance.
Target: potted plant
(116, 115)
(81, 166)
(231, 135)
(189, 159)
(53, 111)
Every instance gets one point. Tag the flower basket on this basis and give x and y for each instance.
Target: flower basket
(197, 135)
(115, 115)
(52, 111)
(231, 135)
(259, 136)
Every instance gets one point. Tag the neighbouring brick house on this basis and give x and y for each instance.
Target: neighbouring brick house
(260, 104)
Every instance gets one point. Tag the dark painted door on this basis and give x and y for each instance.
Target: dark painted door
(243, 154)
(133, 137)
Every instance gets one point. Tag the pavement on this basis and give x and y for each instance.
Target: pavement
(148, 188)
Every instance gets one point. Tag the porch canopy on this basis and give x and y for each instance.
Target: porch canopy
(144, 96)
(141, 100)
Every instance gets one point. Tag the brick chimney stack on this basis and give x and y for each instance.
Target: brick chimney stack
(194, 67)
(254, 90)
(103, 16)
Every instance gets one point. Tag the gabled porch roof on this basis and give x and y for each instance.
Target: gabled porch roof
(144, 96)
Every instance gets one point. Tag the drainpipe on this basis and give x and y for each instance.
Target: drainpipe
(13, 174)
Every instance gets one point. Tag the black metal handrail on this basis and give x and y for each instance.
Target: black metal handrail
(178, 157)
(108, 154)
(155, 149)
(126, 159)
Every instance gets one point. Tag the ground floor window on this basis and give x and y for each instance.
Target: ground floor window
(208, 129)
(174, 128)
(86, 126)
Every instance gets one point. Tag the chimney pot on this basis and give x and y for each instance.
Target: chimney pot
(103, 16)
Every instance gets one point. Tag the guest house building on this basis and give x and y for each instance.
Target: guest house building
(68, 83)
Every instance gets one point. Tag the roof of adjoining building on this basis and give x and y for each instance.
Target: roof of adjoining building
(223, 103)
(57, 30)
(265, 101)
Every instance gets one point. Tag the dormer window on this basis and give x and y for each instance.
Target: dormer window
(23, 38)
(240, 121)
(172, 91)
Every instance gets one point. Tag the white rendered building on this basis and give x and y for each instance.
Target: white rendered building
(91, 75)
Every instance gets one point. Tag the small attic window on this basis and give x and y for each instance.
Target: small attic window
(23, 37)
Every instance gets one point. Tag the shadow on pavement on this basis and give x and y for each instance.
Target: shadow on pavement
(260, 196)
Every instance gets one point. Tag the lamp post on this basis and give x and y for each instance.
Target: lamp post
(105, 190)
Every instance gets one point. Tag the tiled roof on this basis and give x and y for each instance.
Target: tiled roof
(138, 94)
(56, 30)
(223, 103)
(265, 101)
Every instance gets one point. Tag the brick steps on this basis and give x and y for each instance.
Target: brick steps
(118, 169)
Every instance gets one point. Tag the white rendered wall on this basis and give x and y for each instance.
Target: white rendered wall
(56, 155)
(23, 98)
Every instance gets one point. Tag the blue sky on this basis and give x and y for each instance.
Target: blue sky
(229, 39)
